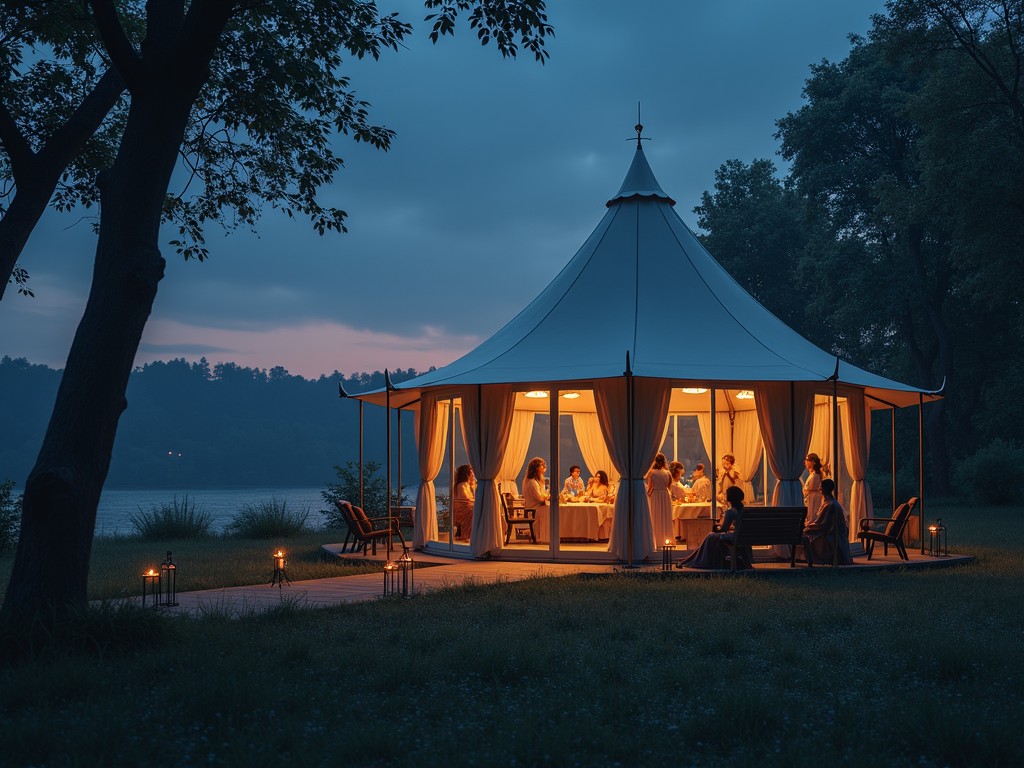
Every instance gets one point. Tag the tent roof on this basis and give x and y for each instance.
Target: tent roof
(643, 284)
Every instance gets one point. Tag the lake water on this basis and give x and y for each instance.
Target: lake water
(118, 505)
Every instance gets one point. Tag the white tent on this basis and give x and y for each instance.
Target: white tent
(640, 275)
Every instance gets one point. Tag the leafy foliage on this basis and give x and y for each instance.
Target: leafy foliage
(993, 473)
(375, 492)
(177, 520)
(10, 516)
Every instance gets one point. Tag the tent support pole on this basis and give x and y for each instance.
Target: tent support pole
(556, 460)
(892, 447)
(387, 408)
(920, 469)
(835, 457)
(629, 459)
(713, 461)
(451, 473)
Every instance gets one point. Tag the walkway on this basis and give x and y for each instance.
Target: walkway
(447, 572)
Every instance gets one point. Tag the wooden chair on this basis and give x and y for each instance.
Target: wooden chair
(366, 531)
(890, 533)
(517, 516)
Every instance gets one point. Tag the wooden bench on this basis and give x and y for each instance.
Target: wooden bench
(768, 526)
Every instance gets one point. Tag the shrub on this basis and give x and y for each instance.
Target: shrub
(10, 516)
(993, 473)
(177, 520)
(375, 492)
(268, 520)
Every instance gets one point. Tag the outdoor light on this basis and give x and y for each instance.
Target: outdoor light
(407, 569)
(937, 543)
(390, 578)
(666, 554)
(572, 394)
(151, 586)
(170, 589)
(745, 394)
(536, 393)
(694, 390)
(280, 577)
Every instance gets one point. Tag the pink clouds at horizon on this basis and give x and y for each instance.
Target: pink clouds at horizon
(307, 350)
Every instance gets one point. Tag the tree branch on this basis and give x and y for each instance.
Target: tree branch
(14, 142)
(69, 139)
(122, 53)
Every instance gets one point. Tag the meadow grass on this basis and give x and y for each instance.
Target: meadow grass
(901, 668)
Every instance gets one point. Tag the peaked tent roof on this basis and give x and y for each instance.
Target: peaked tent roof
(641, 273)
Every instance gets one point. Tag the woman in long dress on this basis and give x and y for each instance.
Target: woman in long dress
(659, 479)
(812, 485)
(536, 495)
(830, 525)
(710, 555)
(462, 504)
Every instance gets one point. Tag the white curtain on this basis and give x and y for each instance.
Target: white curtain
(592, 445)
(515, 451)
(856, 423)
(431, 433)
(651, 398)
(784, 412)
(821, 436)
(487, 420)
(741, 437)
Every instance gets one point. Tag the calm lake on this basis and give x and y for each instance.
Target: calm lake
(118, 505)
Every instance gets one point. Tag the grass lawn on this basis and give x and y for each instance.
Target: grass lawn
(912, 668)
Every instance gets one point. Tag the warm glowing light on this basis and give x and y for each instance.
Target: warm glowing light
(694, 390)
(150, 572)
(666, 542)
(536, 393)
(744, 394)
(572, 394)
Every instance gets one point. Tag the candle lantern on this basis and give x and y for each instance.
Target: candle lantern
(169, 598)
(666, 554)
(937, 544)
(407, 574)
(151, 587)
(390, 578)
(280, 576)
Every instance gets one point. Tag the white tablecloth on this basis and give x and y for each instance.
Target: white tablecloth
(585, 521)
(688, 511)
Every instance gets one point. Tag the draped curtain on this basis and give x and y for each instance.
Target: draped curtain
(593, 445)
(431, 433)
(856, 423)
(651, 397)
(742, 438)
(784, 413)
(487, 420)
(515, 451)
(821, 436)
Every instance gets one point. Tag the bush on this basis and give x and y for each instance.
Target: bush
(375, 492)
(173, 521)
(994, 473)
(10, 516)
(268, 520)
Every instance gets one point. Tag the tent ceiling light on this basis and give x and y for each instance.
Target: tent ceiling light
(536, 393)
(745, 394)
(694, 390)
(572, 394)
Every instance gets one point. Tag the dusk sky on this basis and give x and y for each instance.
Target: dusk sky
(500, 171)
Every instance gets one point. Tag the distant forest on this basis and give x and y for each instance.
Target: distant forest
(190, 425)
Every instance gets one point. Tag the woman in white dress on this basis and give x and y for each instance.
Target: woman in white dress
(536, 495)
(812, 486)
(659, 479)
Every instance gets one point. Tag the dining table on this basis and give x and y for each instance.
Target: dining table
(584, 520)
(682, 512)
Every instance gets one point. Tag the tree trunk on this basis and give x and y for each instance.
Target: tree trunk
(51, 564)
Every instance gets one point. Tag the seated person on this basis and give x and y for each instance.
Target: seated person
(829, 525)
(462, 501)
(677, 489)
(700, 485)
(573, 485)
(598, 488)
(711, 553)
(536, 495)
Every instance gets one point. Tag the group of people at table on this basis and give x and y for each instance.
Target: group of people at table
(665, 488)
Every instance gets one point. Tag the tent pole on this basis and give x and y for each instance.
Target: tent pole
(387, 408)
(629, 459)
(451, 473)
(892, 447)
(479, 450)
(554, 545)
(835, 456)
(713, 461)
(920, 469)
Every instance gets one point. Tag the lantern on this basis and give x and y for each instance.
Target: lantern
(280, 577)
(151, 586)
(937, 544)
(169, 570)
(666, 554)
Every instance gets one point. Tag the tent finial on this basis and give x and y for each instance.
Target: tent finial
(639, 128)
